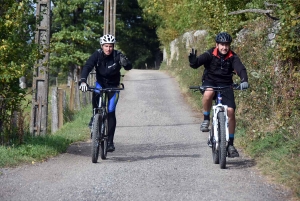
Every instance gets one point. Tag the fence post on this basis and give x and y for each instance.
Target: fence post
(60, 107)
(54, 112)
(77, 98)
(72, 96)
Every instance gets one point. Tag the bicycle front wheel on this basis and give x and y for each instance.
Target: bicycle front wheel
(96, 138)
(215, 149)
(104, 138)
(222, 139)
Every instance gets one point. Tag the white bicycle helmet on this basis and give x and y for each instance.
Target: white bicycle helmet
(107, 39)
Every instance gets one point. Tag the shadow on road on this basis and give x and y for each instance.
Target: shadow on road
(141, 152)
(140, 158)
(239, 163)
(144, 80)
(136, 152)
(157, 125)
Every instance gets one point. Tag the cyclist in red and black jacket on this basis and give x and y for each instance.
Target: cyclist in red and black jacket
(220, 62)
(107, 63)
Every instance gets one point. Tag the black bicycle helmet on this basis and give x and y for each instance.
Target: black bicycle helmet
(223, 37)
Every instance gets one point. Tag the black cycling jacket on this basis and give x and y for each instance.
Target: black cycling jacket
(107, 68)
(220, 69)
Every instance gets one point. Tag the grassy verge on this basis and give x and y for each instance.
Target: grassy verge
(276, 155)
(37, 149)
(267, 117)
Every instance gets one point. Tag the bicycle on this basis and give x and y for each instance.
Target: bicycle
(99, 129)
(219, 134)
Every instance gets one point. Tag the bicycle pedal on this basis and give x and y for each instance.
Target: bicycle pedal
(209, 143)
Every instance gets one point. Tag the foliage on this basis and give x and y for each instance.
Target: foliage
(16, 27)
(175, 17)
(289, 37)
(76, 27)
(18, 54)
(136, 36)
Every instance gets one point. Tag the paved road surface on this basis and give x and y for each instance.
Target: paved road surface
(160, 155)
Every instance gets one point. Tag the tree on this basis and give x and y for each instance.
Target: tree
(135, 35)
(175, 17)
(18, 53)
(76, 27)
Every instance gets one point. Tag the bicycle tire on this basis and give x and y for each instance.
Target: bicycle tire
(96, 138)
(222, 139)
(215, 152)
(104, 133)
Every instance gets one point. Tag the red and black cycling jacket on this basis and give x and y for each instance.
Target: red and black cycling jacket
(220, 68)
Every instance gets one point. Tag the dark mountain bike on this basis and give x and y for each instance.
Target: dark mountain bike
(99, 129)
(219, 133)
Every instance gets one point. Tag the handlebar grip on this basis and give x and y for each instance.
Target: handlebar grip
(236, 86)
(194, 87)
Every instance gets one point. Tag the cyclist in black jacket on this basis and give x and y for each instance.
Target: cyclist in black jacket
(107, 63)
(220, 62)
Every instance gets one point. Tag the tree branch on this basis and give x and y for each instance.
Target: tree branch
(271, 4)
(267, 12)
(251, 11)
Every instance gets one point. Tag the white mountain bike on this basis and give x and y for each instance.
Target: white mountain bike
(219, 134)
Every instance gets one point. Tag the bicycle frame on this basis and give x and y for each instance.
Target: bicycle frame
(218, 107)
(101, 104)
(103, 98)
(99, 130)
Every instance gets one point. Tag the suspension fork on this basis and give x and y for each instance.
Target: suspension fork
(216, 109)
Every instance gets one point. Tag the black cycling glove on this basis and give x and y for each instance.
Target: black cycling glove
(192, 56)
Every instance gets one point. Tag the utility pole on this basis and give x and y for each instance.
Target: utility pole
(110, 17)
(39, 110)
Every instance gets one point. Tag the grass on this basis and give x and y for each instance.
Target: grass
(276, 156)
(36, 149)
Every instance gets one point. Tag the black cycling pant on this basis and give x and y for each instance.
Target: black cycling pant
(227, 96)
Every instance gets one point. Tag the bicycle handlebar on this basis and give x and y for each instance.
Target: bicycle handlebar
(106, 89)
(204, 88)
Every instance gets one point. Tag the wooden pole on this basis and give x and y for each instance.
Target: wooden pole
(39, 110)
(106, 17)
(114, 18)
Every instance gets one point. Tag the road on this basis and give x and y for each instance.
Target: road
(160, 155)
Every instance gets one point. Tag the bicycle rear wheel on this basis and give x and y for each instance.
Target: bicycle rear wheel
(104, 134)
(96, 138)
(222, 139)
